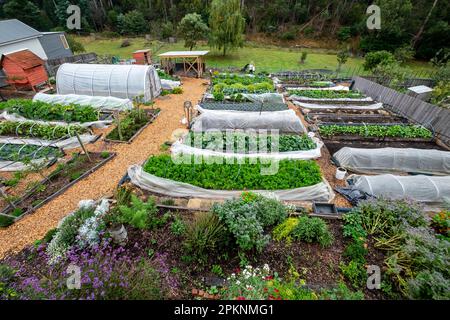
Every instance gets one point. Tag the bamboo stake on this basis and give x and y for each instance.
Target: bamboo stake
(83, 147)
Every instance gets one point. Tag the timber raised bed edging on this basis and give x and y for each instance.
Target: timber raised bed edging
(150, 121)
(54, 195)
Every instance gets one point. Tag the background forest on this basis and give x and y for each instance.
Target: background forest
(420, 24)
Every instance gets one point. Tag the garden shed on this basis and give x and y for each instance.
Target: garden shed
(190, 61)
(24, 69)
(120, 81)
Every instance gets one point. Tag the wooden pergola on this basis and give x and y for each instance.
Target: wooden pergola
(192, 61)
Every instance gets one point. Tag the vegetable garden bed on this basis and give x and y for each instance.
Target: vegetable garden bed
(336, 118)
(20, 152)
(384, 132)
(38, 130)
(132, 125)
(62, 178)
(327, 94)
(244, 106)
(246, 176)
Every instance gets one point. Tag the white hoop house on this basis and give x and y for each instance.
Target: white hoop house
(120, 81)
(384, 160)
(419, 188)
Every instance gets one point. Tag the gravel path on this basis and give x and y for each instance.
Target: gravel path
(104, 180)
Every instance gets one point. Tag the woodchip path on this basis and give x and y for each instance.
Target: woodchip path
(104, 180)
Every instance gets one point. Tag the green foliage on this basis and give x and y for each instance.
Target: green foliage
(192, 29)
(50, 235)
(344, 34)
(141, 215)
(404, 54)
(132, 22)
(312, 230)
(246, 219)
(342, 58)
(340, 292)
(244, 142)
(227, 25)
(217, 270)
(42, 131)
(284, 230)
(416, 260)
(374, 59)
(327, 94)
(441, 94)
(355, 272)
(378, 131)
(356, 251)
(20, 152)
(177, 90)
(129, 125)
(235, 176)
(441, 223)
(37, 110)
(163, 75)
(178, 227)
(74, 45)
(206, 235)
(105, 154)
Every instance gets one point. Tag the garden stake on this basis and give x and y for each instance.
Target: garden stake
(83, 147)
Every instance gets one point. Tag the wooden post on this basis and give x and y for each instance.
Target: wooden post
(83, 147)
(119, 125)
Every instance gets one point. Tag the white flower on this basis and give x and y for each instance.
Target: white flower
(266, 267)
(238, 282)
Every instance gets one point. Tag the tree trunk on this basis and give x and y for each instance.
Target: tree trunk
(422, 27)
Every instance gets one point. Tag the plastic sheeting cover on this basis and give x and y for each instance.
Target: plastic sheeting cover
(179, 147)
(69, 143)
(284, 121)
(334, 88)
(319, 192)
(385, 160)
(97, 102)
(374, 106)
(295, 97)
(430, 189)
(121, 81)
(169, 84)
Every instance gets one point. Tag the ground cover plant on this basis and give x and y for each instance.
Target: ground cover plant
(130, 123)
(415, 258)
(221, 176)
(378, 131)
(327, 94)
(163, 75)
(245, 142)
(235, 84)
(19, 152)
(37, 130)
(38, 110)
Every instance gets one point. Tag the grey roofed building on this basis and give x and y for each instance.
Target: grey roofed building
(15, 30)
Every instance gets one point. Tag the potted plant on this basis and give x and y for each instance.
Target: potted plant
(115, 227)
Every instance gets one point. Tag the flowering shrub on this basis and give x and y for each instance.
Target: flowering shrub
(107, 272)
(247, 217)
(262, 284)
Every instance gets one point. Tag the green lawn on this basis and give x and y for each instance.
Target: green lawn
(265, 58)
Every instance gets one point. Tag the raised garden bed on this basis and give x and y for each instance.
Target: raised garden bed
(62, 178)
(335, 118)
(219, 141)
(20, 152)
(245, 176)
(373, 132)
(132, 125)
(37, 130)
(244, 106)
(337, 143)
(327, 94)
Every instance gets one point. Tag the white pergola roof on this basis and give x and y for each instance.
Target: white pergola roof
(181, 54)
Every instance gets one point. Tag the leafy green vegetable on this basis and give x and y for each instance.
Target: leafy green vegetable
(234, 176)
(239, 142)
(327, 94)
(380, 131)
(37, 110)
(42, 131)
(17, 152)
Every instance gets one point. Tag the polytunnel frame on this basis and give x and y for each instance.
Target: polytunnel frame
(147, 79)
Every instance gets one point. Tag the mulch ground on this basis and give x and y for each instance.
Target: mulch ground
(103, 181)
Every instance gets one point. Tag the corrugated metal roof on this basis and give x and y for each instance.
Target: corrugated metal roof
(13, 30)
(175, 54)
(25, 58)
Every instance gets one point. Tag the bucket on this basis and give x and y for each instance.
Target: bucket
(119, 235)
(340, 173)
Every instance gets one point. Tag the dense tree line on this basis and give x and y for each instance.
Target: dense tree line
(420, 24)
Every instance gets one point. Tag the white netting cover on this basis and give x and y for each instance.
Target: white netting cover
(97, 102)
(374, 106)
(295, 97)
(170, 84)
(69, 143)
(334, 88)
(419, 188)
(265, 97)
(412, 160)
(179, 147)
(285, 121)
(121, 81)
(318, 192)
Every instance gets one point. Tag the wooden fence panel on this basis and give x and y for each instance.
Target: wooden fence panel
(426, 114)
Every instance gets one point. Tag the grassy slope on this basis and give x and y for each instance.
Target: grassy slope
(265, 58)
